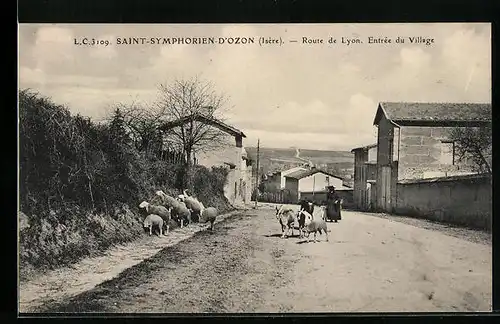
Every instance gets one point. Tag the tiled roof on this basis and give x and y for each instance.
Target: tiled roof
(364, 148)
(302, 174)
(424, 112)
(203, 119)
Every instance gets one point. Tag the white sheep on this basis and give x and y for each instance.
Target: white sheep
(193, 204)
(183, 213)
(287, 218)
(179, 210)
(209, 214)
(153, 220)
(314, 225)
(167, 200)
(161, 211)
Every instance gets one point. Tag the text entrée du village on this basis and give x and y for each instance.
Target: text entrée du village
(262, 41)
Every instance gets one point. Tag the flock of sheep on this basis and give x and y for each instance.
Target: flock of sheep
(308, 221)
(184, 209)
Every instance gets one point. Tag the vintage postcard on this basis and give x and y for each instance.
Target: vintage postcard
(255, 168)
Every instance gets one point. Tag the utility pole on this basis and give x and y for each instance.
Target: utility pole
(257, 175)
(314, 186)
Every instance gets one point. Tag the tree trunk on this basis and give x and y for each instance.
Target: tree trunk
(90, 191)
(188, 183)
(485, 163)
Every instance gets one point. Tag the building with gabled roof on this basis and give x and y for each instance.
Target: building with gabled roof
(313, 180)
(238, 188)
(413, 143)
(434, 114)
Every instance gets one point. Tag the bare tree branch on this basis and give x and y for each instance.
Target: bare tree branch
(474, 144)
(190, 98)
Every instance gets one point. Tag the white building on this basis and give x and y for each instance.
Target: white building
(313, 180)
(238, 188)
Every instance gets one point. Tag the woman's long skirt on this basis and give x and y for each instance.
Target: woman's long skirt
(333, 211)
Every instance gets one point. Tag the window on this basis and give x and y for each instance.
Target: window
(447, 153)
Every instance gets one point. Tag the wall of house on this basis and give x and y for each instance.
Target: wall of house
(246, 176)
(287, 172)
(365, 168)
(423, 155)
(385, 137)
(318, 182)
(239, 181)
(372, 155)
(230, 189)
(249, 184)
(359, 187)
(385, 148)
(371, 171)
(292, 186)
(462, 200)
(218, 156)
(275, 182)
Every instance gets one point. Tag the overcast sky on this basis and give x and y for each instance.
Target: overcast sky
(319, 96)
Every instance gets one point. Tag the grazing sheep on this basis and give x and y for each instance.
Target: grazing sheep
(153, 220)
(166, 200)
(185, 192)
(179, 212)
(183, 213)
(209, 214)
(194, 205)
(161, 211)
(286, 218)
(313, 226)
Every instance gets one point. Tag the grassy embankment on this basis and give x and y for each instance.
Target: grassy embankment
(81, 182)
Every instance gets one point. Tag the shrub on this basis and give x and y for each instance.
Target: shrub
(209, 187)
(78, 178)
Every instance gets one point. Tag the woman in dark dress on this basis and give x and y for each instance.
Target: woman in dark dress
(332, 205)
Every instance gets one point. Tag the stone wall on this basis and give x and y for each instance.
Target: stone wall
(462, 200)
(424, 155)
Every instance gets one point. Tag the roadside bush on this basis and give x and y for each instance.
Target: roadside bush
(209, 187)
(80, 184)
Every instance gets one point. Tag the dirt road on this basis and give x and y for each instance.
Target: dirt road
(370, 264)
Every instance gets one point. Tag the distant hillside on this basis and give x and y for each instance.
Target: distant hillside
(274, 159)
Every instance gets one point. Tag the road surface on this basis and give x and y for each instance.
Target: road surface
(370, 264)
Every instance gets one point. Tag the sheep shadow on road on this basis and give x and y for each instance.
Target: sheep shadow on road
(279, 235)
(311, 241)
(272, 235)
(319, 241)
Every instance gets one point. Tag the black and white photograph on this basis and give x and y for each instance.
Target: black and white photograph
(254, 168)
